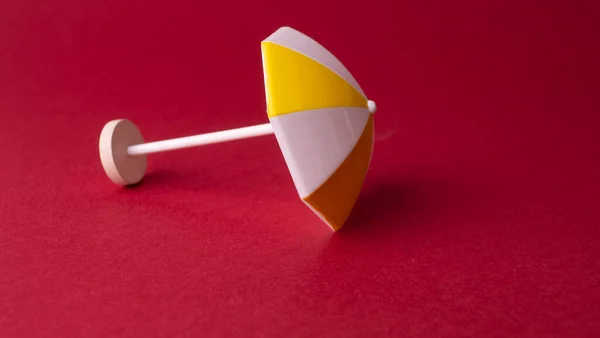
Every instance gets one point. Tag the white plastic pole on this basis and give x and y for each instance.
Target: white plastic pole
(199, 140)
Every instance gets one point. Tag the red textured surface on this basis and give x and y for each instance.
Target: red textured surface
(480, 215)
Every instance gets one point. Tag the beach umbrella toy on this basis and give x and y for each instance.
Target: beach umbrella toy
(320, 116)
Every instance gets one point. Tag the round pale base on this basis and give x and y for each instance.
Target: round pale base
(120, 167)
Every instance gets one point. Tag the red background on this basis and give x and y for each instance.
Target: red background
(480, 215)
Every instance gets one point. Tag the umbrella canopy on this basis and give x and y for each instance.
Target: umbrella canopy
(322, 120)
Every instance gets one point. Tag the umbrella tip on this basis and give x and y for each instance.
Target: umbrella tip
(372, 106)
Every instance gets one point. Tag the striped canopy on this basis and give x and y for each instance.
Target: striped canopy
(322, 122)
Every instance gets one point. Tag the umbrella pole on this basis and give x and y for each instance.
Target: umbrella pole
(200, 140)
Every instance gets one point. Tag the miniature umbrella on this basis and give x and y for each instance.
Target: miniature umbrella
(319, 114)
(322, 121)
